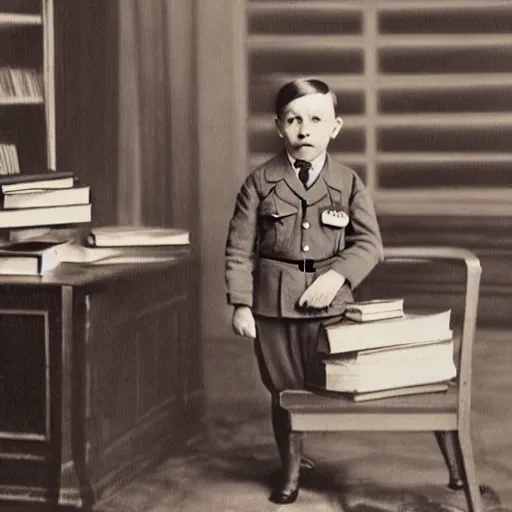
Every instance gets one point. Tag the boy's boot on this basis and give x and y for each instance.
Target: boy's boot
(281, 428)
(288, 489)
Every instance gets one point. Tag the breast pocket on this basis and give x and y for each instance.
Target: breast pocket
(333, 222)
(277, 222)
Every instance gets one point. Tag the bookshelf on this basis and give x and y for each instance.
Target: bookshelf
(27, 86)
(424, 90)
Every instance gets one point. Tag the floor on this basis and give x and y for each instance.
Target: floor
(367, 472)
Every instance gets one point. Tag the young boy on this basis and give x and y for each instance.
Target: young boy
(303, 235)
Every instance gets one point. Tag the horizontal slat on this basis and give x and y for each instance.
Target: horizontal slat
(443, 157)
(411, 41)
(306, 6)
(9, 100)
(7, 18)
(340, 42)
(304, 43)
(441, 119)
(459, 81)
(470, 202)
(435, 5)
(403, 83)
(349, 82)
(456, 195)
(348, 159)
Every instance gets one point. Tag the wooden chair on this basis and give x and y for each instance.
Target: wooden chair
(447, 413)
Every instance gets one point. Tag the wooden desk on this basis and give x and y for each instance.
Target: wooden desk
(100, 377)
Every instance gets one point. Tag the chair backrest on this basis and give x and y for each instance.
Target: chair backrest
(433, 254)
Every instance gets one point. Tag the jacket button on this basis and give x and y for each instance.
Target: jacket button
(305, 248)
(306, 224)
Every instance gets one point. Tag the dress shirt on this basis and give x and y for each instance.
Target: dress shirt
(316, 167)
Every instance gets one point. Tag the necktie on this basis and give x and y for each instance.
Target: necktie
(304, 167)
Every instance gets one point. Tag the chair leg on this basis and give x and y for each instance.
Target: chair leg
(448, 443)
(471, 489)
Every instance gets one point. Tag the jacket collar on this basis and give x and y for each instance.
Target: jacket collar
(279, 169)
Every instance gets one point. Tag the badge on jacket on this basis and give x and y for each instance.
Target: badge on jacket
(335, 218)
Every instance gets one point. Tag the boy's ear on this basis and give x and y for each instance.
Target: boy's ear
(276, 121)
(337, 127)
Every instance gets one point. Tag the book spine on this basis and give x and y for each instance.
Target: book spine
(25, 178)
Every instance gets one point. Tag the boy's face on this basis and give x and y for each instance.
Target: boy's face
(307, 125)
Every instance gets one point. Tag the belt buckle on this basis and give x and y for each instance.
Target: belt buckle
(307, 266)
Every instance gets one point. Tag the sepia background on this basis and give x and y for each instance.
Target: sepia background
(163, 107)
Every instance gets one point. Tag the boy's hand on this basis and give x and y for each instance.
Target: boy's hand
(322, 290)
(243, 322)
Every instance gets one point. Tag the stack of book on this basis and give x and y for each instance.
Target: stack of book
(379, 351)
(45, 199)
(30, 206)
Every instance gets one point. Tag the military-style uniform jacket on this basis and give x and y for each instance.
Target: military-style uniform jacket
(278, 225)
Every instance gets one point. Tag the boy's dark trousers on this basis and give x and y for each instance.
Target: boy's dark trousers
(284, 349)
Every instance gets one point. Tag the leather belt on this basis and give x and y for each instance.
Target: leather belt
(305, 265)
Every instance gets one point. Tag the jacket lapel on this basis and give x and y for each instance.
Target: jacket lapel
(280, 170)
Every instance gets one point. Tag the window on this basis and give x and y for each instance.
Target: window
(424, 87)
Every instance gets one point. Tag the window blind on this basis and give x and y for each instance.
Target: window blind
(424, 88)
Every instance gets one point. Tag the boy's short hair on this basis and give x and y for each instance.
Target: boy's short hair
(298, 88)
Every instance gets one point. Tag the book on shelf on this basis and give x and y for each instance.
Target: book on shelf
(133, 236)
(47, 216)
(435, 387)
(350, 336)
(20, 82)
(32, 258)
(9, 162)
(43, 180)
(39, 198)
(386, 368)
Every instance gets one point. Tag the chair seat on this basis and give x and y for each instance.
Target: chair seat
(318, 412)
